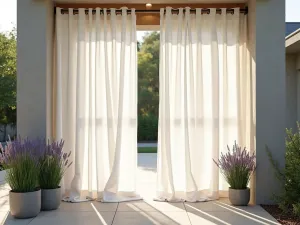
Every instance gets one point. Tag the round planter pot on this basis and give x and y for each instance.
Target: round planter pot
(239, 197)
(51, 199)
(25, 205)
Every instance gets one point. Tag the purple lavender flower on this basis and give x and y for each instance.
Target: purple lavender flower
(54, 163)
(34, 148)
(237, 166)
(47, 159)
(65, 156)
(22, 158)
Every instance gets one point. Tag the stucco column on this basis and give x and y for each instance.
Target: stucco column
(270, 94)
(297, 98)
(34, 66)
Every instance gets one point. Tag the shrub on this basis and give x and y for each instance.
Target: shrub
(289, 198)
(21, 159)
(147, 128)
(236, 166)
(54, 163)
(1, 151)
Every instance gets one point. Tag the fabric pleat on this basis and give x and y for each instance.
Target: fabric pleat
(204, 100)
(96, 103)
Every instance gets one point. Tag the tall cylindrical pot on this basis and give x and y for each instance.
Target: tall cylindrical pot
(239, 197)
(25, 205)
(51, 199)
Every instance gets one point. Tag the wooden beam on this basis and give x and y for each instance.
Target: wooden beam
(154, 6)
(147, 19)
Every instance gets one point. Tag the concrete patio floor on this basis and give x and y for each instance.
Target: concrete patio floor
(146, 212)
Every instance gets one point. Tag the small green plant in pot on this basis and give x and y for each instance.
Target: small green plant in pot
(54, 163)
(20, 158)
(237, 166)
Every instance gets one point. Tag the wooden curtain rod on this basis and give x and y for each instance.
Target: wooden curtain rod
(155, 8)
(203, 11)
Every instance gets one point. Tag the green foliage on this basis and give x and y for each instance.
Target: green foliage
(20, 158)
(148, 87)
(148, 74)
(54, 163)
(51, 172)
(289, 177)
(296, 209)
(138, 46)
(8, 69)
(8, 78)
(147, 128)
(238, 177)
(1, 153)
(147, 150)
(22, 175)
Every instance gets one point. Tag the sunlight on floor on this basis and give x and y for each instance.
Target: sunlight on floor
(99, 215)
(146, 212)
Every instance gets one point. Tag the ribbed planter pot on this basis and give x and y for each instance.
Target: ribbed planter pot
(239, 197)
(51, 199)
(25, 205)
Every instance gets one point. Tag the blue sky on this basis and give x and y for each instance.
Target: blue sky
(292, 10)
(8, 12)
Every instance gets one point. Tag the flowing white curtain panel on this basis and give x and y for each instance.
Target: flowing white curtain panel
(205, 100)
(96, 102)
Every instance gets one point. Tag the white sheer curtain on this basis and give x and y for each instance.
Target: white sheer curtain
(205, 100)
(96, 102)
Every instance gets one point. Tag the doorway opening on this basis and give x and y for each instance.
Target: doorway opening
(148, 109)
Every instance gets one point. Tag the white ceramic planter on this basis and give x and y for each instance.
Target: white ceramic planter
(239, 197)
(25, 205)
(51, 199)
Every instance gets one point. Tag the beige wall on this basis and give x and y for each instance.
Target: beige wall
(291, 91)
(270, 94)
(35, 24)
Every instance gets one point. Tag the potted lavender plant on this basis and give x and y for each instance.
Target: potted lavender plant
(54, 163)
(237, 167)
(20, 158)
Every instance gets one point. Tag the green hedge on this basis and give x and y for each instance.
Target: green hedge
(147, 128)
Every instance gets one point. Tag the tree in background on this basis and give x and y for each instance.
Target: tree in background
(148, 87)
(148, 73)
(148, 84)
(138, 46)
(8, 79)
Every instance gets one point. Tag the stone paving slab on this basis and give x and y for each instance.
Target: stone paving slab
(143, 213)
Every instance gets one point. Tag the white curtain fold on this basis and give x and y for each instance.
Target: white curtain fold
(205, 100)
(96, 102)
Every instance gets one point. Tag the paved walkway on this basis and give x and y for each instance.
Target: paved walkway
(144, 145)
(146, 212)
